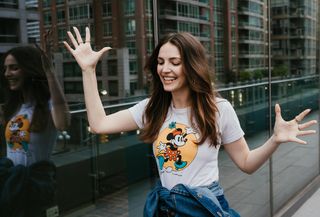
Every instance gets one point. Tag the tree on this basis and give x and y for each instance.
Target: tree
(280, 70)
(245, 75)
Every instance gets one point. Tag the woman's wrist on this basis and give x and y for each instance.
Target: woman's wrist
(274, 140)
(88, 71)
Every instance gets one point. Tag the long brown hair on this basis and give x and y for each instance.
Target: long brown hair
(29, 60)
(197, 72)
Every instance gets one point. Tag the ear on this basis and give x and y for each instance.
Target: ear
(170, 136)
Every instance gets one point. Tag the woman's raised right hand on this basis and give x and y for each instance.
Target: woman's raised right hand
(82, 51)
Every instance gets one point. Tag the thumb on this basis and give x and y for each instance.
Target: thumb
(277, 110)
(103, 50)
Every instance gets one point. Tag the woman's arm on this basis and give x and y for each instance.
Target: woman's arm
(60, 110)
(284, 131)
(87, 59)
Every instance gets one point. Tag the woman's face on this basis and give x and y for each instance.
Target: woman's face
(13, 73)
(170, 69)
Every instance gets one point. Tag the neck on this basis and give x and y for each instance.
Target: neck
(26, 97)
(181, 100)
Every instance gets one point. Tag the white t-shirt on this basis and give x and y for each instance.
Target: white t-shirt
(179, 159)
(25, 147)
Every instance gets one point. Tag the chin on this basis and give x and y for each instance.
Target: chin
(14, 88)
(168, 89)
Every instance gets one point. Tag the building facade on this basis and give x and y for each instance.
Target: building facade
(294, 36)
(19, 21)
(253, 40)
(128, 26)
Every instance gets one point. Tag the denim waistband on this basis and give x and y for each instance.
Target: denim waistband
(208, 197)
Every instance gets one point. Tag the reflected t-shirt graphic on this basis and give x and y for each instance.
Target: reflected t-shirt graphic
(23, 146)
(17, 133)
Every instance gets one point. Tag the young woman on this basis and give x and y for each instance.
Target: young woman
(186, 122)
(34, 107)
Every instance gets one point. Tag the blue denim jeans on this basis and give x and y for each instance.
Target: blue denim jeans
(183, 201)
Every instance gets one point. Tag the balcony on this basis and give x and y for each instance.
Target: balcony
(120, 169)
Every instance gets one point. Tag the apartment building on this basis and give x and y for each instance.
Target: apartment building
(19, 21)
(128, 26)
(294, 36)
(253, 40)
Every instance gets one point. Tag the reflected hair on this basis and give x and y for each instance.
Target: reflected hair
(198, 75)
(29, 60)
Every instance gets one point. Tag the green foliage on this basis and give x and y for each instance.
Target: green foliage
(257, 74)
(245, 75)
(280, 70)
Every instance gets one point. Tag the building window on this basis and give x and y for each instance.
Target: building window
(47, 18)
(61, 34)
(150, 45)
(9, 30)
(9, 4)
(133, 67)
(149, 26)
(106, 8)
(148, 7)
(131, 47)
(73, 87)
(113, 88)
(131, 27)
(60, 16)
(194, 11)
(129, 7)
(71, 70)
(183, 27)
(112, 68)
(46, 3)
(107, 28)
(182, 10)
(133, 87)
(83, 11)
(59, 2)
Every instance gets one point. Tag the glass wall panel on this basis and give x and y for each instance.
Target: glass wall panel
(110, 175)
(295, 86)
(248, 194)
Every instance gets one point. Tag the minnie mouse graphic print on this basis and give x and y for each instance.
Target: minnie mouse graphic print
(179, 159)
(25, 147)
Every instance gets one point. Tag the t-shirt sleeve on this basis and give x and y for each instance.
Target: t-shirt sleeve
(137, 112)
(229, 123)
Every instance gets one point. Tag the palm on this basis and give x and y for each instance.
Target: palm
(285, 131)
(288, 131)
(82, 52)
(85, 56)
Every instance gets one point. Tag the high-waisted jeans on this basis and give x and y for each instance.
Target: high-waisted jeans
(184, 201)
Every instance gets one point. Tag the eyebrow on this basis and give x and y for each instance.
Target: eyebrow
(15, 64)
(171, 58)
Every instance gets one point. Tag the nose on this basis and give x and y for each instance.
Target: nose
(166, 67)
(6, 72)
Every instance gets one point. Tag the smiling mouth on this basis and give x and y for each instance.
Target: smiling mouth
(12, 80)
(169, 79)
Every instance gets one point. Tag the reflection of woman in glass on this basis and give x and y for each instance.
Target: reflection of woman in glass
(34, 107)
(186, 122)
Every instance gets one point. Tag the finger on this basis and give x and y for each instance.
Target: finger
(77, 34)
(307, 124)
(72, 39)
(300, 116)
(299, 141)
(68, 47)
(306, 132)
(88, 37)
